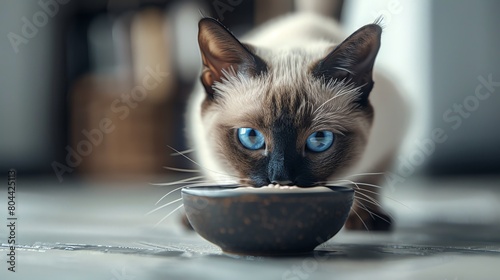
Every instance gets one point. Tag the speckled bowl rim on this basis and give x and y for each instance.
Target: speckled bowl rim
(221, 191)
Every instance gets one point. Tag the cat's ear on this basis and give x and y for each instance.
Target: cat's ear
(353, 59)
(222, 52)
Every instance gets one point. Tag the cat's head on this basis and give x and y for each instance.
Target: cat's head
(291, 116)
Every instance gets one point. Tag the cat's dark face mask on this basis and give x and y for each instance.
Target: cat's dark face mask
(292, 153)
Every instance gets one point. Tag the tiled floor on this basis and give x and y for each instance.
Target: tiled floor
(447, 229)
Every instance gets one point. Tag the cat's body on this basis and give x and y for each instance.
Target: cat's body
(292, 82)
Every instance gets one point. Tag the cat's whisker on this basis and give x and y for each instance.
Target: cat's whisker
(182, 169)
(193, 161)
(369, 185)
(362, 206)
(366, 174)
(203, 182)
(362, 192)
(378, 216)
(369, 191)
(355, 183)
(363, 222)
(365, 190)
(375, 193)
(385, 196)
(372, 214)
(172, 191)
(191, 184)
(164, 218)
(180, 153)
(368, 199)
(163, 206)
(341, 180)
(179, 181)
(359, 191)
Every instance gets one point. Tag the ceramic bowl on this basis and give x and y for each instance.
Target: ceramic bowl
(276, 222)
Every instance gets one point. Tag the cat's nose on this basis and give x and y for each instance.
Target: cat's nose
(283, 183)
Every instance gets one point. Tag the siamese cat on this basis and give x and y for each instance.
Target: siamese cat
(296, 103)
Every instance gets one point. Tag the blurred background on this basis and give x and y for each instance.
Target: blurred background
(97, 89)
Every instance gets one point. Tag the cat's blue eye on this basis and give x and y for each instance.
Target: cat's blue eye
(320, 141)
(251, 138)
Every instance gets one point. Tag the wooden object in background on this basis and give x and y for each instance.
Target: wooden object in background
(266, 10)
(329, 8)
(139, 109)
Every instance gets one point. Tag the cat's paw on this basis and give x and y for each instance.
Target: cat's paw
(378, 220)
